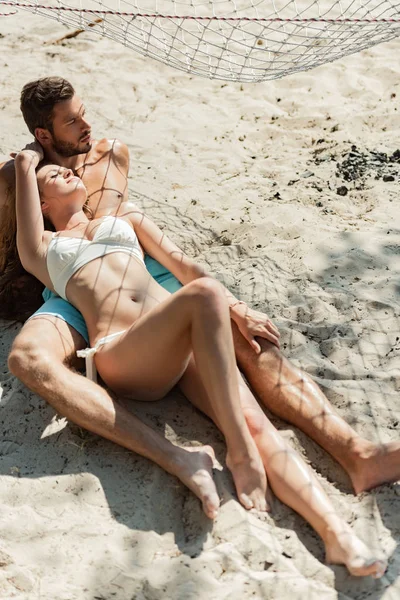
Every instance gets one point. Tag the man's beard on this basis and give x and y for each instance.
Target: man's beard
(67, 149)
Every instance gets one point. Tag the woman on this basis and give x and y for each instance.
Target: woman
(98, 265)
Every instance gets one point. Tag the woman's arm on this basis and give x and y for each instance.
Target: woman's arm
(161, 247)
(30, 226)
(250, 323)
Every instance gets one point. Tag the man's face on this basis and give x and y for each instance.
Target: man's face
(71, 131)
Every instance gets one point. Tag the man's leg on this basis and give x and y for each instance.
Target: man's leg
(293, 396)
(39, 357)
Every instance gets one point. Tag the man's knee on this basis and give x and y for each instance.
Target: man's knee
(27, 358)
(41, 345)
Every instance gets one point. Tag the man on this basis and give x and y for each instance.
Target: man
(46, 346)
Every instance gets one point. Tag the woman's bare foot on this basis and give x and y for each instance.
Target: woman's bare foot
(195, 471)
(345, 548)
(375, 465)
(250, 481)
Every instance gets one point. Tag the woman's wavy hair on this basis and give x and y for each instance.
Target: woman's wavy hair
(20, 292)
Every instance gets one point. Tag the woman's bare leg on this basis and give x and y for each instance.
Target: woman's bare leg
(153, 354)
(292, 481)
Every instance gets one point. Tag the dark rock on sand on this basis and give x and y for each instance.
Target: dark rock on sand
(342, 190)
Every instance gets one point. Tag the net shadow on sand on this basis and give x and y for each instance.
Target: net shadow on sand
(131, 485)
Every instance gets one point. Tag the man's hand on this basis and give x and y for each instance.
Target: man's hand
(33, 151)
(252, 323)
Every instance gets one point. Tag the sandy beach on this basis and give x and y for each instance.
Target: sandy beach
(288, 191)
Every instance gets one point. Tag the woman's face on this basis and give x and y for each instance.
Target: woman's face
(60, 185)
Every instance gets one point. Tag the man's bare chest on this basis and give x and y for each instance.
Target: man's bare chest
(105, 184)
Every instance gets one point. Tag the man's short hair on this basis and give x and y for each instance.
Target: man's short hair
(38, 99)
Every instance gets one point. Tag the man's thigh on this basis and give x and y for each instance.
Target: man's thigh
(48, 336)
(53, 333)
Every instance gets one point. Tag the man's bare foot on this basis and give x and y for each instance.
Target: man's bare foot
(195, 471)
(250, 482)
(375, 465)
(347, 549)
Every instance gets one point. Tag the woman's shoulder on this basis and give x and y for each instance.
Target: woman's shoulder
(128, 210)
(48, 236)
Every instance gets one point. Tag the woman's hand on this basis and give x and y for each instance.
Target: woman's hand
(252, 323)
(32, 152)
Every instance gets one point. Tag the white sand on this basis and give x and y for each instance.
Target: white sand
(82, 518)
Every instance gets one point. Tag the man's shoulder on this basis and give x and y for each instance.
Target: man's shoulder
(114, 146)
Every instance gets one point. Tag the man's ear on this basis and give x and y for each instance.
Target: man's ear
(43, 136)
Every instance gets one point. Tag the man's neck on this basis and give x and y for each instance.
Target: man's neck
(69, 162)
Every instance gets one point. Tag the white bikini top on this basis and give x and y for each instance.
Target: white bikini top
(66, 255)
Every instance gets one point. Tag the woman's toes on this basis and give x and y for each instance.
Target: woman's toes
(196, 473)
(374, 568)
(211, 506)
(346, 548)
(246, 501)
(210, 452)
(379, 569)
(211, 512)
